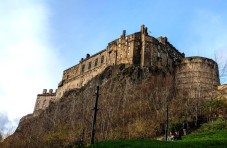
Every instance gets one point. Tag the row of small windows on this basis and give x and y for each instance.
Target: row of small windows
(126, 43)
(173, 54)
(95, 64)
(159, 51)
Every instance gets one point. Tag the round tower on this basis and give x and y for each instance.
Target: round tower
(196, 76)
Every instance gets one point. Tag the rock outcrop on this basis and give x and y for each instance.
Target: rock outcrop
(127, 109)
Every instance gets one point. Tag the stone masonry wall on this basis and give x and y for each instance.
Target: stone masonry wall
(196, 74)
(43, 99)
(139, 49)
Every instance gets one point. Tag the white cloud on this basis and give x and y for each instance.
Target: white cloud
(27, 59)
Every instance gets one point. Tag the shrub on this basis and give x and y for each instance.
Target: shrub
(219, 124)
(175, 126)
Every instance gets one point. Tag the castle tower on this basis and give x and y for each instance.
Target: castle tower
(196, 77)
(44, 99)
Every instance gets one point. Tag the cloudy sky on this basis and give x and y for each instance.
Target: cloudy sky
(41, 38)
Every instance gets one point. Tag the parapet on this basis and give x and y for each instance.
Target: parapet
(197, 59)
(162, 39)
(48, 93)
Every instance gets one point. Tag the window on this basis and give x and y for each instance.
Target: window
(83, 67)
(89, 65)
(96, 62)
(102, 59)
(126, 43)
(119, 45)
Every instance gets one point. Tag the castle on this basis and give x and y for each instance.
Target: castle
(142, 50)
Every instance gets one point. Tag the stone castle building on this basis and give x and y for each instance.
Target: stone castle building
(142, 50)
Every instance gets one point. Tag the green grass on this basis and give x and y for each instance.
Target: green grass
(212, 134)
(216, 138)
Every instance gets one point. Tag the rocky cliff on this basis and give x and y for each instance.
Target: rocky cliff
(126, 110)
(131, 105)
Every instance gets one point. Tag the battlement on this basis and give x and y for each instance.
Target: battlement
(48, 93)
(197, 59)
(44, 99)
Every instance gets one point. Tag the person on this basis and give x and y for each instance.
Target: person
(185, 126)
(172, 135)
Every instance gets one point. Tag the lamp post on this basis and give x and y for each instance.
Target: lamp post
(167, 122)
(94, 115)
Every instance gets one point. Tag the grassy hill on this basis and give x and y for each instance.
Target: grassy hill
(213, 134)
(216, 138)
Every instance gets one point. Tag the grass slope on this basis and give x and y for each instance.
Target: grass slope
(211, 134)
(214, 138)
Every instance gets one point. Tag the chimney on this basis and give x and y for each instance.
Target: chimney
(87, 56)
(146, 31)
(142, 29)
(124, 33)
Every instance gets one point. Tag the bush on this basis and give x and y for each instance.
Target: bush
(175, 126)
(219, 124)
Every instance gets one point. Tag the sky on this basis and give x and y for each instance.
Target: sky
(41, 38)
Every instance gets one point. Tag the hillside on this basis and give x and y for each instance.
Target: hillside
(148, 143)
(131, 105)
(211, 134)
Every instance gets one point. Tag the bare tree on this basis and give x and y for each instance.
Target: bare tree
(1, 137)
(222, 67)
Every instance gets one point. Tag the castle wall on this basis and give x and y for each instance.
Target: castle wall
(135, 49)
(196, 75)
(77, 76)
(119, 51)
(159, 53)
(43, 99)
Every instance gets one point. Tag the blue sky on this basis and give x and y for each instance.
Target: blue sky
(41, 38)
